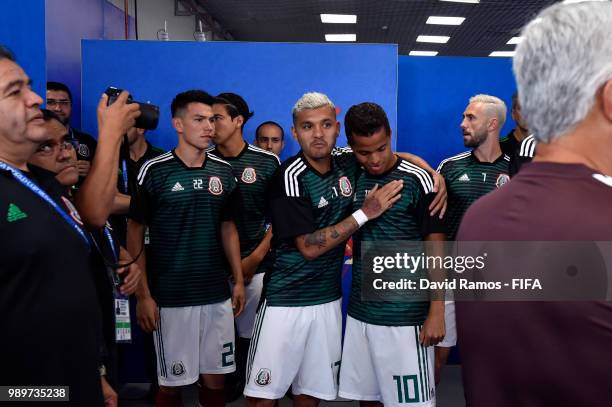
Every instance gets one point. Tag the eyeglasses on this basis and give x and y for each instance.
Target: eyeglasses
(48, 148)
(61, 102)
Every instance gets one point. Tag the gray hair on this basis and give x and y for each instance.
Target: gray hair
(565, 56)
(311, 100)
(493, 105)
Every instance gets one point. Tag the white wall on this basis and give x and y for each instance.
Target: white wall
(151, 16)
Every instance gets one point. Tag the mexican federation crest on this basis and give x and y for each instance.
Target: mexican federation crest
(249, 175)
(178, 369)
(215, 186)
(345, 186)
(264, 377)
(502, 179)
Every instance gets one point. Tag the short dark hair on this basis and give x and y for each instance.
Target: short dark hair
(61, 87)
(365, 119)
(180, 101)
(235, 105)
(5, 53)
(48, 115)
(266, 123)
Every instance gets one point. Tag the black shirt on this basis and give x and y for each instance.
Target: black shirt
(49, 313)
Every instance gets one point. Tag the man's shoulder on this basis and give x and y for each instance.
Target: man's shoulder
(417, 175)
(153, 164)
(81, 136)
(287, 177)
(263, 155)
(456, 160)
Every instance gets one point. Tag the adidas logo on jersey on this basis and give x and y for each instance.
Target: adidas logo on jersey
(177, 187)
(323, 202)
(464, 178)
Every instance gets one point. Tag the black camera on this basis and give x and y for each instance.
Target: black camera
(149, 114)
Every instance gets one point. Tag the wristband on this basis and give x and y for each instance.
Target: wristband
(360, 217)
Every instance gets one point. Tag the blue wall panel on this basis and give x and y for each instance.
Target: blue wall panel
(433, 93)
(270, 76)
(22, 30)
(69, 21)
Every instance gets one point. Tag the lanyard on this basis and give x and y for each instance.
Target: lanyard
(26, 182)
(111, 242)
(124, 173)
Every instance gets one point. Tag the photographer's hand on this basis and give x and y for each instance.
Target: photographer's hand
(96, 196)
(115, 120)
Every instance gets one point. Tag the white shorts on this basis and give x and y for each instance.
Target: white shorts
(450, 325)
(194, 340)
(298, 347)
(387, 364)
(245, 321)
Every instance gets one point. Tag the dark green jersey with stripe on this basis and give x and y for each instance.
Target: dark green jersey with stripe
(184, 208)
(467, 179)
(253, 168)
(303, 201)
(407, 219)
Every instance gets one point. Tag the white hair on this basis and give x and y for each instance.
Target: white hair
(565, 56)
(311, 100)
(493, 105)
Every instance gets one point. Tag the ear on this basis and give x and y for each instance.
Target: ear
(493, 123)
(294, 133)
(141, 132)
(606, 100)
(239, 120)
(337, 129)
(177, 123)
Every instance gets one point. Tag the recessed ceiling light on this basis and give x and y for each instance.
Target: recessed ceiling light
(438, 39)
(463, 1)
(340, 37)
(339, 18)
(502, 54)
(514, 40)
(445, 20)
(423, 53)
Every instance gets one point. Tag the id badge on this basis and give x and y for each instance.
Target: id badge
(123, 327)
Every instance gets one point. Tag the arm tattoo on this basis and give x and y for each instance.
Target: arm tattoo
(315, 239)
(334, 233)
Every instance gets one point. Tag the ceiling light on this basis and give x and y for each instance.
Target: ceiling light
(502, 54)
(340, 37)
(438, 39)
(514, 40)
(423, 53)
(339, 18)
(463, 1)
(445, 20)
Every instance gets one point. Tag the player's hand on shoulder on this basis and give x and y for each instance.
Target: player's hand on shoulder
(380, 199)
(438, 205)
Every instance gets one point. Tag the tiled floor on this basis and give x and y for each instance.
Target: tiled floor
(449, 394)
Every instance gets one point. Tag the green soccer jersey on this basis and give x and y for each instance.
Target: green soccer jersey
(407, 219)
(302, 201)
(184, 208)
(253, 168)
(467, 179)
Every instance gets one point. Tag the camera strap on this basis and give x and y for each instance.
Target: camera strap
(28, 183)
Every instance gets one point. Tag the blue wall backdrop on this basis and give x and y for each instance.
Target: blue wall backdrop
(69, 21)
(433, 93)
(22, 30)
(270, 76)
